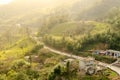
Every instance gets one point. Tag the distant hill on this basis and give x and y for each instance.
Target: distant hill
(21, 7)
(27, 13)
(81, 6)
(31, 13)
(77, 28)
(96, 9)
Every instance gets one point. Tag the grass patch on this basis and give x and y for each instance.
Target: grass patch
(110, 73)
(91, 27)
(19, 49)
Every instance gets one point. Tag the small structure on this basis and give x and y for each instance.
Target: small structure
(101, 52)
(88, 65)
(96, 52)
(113, 53)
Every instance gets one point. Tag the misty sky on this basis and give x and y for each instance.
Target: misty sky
(40, 1)
(5, 1)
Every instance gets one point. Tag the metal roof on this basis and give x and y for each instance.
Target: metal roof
(114, 51)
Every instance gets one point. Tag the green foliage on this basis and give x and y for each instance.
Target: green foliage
(36, 48)
(101, 58)
(108, 39)
(32, 74)
(77, 28)
(2, 77)
(69, 71)
(96, 78)
(19, 49)
(56, 72)
(20, 64)
(114, 18)
(20, 69)
(22, 75)
(105, 59)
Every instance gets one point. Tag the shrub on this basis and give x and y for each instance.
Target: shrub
(36, 48)
(20, 64)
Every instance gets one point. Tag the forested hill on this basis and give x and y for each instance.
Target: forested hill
(21, 7)
(64, 17)
(32, 13)
(95, 8)
(27, 13)
(100, 26)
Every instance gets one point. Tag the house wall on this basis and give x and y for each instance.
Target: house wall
(82, 64)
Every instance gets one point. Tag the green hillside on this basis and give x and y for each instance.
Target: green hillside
(64, 27)
(79, 28)
(100, 10)
(17, 50)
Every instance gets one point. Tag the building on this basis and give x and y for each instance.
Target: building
(88, 65)
(101, 52)
(96, 52)
(113, 53)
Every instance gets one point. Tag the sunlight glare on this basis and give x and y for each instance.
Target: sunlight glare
(5, 1)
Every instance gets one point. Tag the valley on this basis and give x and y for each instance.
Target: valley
(60, 40)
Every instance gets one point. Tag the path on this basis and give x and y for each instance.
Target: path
(114, 68)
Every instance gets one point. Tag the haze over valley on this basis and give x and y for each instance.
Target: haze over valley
(59, 39)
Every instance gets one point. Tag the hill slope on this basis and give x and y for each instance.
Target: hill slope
(100, 9)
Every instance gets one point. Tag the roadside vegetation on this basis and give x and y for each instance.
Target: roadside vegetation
(80, 46)
(71, 71)
(29, 65)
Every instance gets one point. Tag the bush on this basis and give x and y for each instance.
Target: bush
(36, 48)
(105, 59)
(98, 57)
(32, 74)
(13, 75)
(20, 64)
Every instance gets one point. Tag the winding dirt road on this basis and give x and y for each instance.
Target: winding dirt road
(114, 68)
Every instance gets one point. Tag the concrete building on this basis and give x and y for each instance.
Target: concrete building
(101, 52)
(113, 53)
(88, 65)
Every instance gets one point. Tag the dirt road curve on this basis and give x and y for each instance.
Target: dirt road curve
(114, 68)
